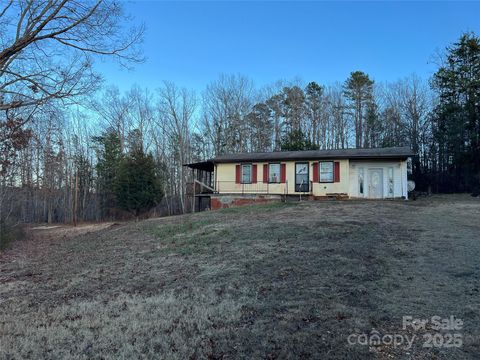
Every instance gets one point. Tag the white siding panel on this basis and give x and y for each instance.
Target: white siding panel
(399, 177)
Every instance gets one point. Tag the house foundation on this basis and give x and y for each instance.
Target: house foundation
(224, 201)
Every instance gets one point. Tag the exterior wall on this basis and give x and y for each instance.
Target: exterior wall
(399, 177)
(324, 189)
(225, 180)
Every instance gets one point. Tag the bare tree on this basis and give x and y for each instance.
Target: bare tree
(113, 109)
(177, 107)
(142, 114)
(339, 123)
(415, 102)
(47, 48)
(226, 103)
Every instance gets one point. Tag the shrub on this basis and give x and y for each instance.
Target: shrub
(9, 233)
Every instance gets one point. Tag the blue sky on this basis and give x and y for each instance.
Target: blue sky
(191, 43)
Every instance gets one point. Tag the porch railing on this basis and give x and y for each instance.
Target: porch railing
(197, 187)
(232, 187)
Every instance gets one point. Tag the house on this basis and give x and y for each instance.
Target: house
(237, 179)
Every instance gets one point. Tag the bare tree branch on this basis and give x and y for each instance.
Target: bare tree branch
(49, 48)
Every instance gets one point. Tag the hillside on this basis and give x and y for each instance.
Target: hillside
(269, 281)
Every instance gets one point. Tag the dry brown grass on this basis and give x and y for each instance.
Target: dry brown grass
(270, 281)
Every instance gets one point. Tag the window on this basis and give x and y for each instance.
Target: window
(274, 173)
(326, 171)
(246, 174)
(390, 182)
(360, 181)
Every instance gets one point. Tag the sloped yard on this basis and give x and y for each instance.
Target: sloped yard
(270, 281)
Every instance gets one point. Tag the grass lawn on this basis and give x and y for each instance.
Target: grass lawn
(268, 281)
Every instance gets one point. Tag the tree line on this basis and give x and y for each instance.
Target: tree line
(71, 150)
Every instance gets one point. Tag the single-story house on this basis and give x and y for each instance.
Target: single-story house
(244, 178)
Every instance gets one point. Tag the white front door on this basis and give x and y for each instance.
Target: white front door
(375, 183)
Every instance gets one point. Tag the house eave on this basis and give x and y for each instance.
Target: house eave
(306, 158)
(393, 153)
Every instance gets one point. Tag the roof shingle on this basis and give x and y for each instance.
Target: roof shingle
(390, 152)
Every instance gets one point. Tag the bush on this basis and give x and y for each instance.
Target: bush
(9, 233)
(138, 187)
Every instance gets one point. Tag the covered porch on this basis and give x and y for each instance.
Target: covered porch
(202, 186)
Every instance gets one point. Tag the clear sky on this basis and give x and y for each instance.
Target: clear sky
(191, 43)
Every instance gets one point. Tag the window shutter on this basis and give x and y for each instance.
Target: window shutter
(336, 172)
(237, 174)
(283, 173)
(315, 172)
(265, 173)
(254, 173)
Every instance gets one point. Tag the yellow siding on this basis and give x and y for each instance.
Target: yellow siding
(225, 180)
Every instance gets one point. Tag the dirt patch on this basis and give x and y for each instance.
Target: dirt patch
(270, 281)
(60, 231)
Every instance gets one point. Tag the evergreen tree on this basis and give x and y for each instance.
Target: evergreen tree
(373, 125)
(294, 107)
(358, 89)
(84, 173)
(457, 115)
(261, 125)
(109, 154)
(296, 140)
(275, 105)
(313, 104)
(138, 187)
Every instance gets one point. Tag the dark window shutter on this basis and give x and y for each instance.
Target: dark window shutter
(254, 173)
(315, 172)
(336, 172)
(265, 173)
(237, 174)
(283, 173)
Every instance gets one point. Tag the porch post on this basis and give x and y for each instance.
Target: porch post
(193, 197)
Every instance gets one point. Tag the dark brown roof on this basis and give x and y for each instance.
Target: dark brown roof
(378, 153)
(202, 165)
(383, 153)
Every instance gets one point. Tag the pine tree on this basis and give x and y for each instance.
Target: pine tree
(372, 126)
(261, 127)
(109, 153)
(297, 140)
(457, 116)
(294, 107)
(138, 187)
(358, 89)
(313, 104)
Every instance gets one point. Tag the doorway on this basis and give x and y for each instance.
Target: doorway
(302, 183)
(375, 183)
